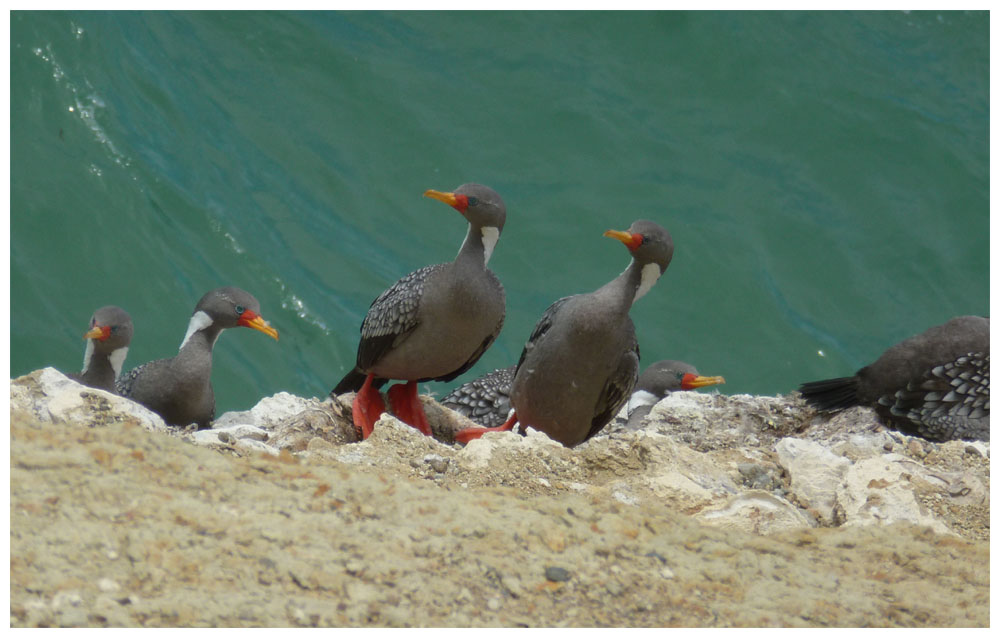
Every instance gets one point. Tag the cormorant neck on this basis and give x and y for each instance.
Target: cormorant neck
(478, 245)
(201, 332)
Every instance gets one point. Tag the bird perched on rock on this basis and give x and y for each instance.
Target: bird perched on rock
(582, 359)
(935, 385)
(107, 344)
(660, 379)
(179, 389)
(485, 399)
(433, 324)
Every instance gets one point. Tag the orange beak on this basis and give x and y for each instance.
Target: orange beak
(250, 319)
(458, 202)
(692, 381)
(631, 240)
(98, 332)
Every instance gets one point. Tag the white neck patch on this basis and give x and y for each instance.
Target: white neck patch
(88, 354)
(640, 398)
(650, 273)
(490, 236)
(117, 359)
(199, 321)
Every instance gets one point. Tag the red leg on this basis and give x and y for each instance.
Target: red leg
(406, 406)
(466, 435)
(367, 407)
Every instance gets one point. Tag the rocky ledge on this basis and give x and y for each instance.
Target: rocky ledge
(719, 511)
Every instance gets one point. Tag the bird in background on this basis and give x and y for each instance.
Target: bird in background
(935, 385)
(179, 389)
(660, 379)
(108, 339)
(486, 399)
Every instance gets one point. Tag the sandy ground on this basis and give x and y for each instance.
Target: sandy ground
(118, 526)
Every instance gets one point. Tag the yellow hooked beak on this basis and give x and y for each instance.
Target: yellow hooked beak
(447, 198)
(258, 323)
(97, 332)
(701, 382)
(631, 240)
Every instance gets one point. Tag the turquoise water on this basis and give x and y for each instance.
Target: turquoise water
(824, 177)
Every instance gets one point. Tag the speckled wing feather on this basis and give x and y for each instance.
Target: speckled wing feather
(486, 399)
(616, 390)
(950, 401)
(392, 316)
(124, 383)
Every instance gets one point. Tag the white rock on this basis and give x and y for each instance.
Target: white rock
(108, 585)
(268, 412)
(477, 453)
(816, 473)
(879, 491)
(674, 483)
(983, 447)
(250, 445)
(63, 400)
(228, 435)
(757, 512)
(623, 496)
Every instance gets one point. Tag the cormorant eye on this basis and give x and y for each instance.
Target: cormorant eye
(240, 310)
(114, 330)
(473, 201)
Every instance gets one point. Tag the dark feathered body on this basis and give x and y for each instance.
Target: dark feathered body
(485, 400)
(435, 323)
(578, 367)
(935, 385)
(179, 389)
(582, 359)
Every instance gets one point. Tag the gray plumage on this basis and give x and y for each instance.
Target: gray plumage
(485, 400)
(435, 323)
(582, 360)
(935, 385)
(656, 381)
(107, 344)
(179, 389)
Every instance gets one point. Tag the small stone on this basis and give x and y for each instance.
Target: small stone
(438, 463)
(614, 588)
(513, 585)
(887, 446)
(493, 604)
(108, 586)
(666, 572)
(556, 574)
(66, 599)
(915, 448)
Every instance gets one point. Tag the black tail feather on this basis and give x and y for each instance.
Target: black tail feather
(831, 395)
(353, 381)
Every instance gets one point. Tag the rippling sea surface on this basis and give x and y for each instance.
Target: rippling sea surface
(825, 177)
